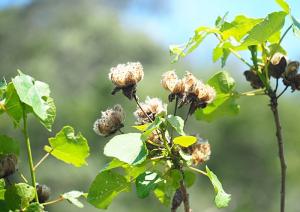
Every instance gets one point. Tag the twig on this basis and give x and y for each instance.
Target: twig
(274, 108)
(138, 104)
(121, 131)
(276, 86)
(282, 92)
(185, 196)
(175, 112)
(42, 160)
(197, 170)
(22, 176)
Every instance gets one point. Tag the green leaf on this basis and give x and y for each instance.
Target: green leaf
(151, 127)
(224, 104)
(145, 183)
(2, 189)
(12, 104)
(3, 86)
(68, 147)
(174, 178)
(51, 114)
(296, 26)
(142, 128)
(33, 93)
(264, 30)
(185, 141)
(105, 188)
(164, 192)
(222, 199)
(72, 197)
(8, 146)
(128, 148)
(19, 195)
(177, 123)
(284, 5)
(239, 27)
(115, 163)
(189, 178)
(35, 207)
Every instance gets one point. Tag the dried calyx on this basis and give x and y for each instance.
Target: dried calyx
(277, 65)
(152, 107)
(252, 77)
(111, 121)
(8, 165)
(188, 90)
(291, 76)
(125, 77)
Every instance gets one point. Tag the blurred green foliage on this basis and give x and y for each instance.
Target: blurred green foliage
(72, 44)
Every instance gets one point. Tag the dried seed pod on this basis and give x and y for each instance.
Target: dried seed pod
(43, 193)
(125, 77)
(152, 107)
(277, 65)
(110, 121)
(253, 78)
(190, 82)
(171, 83)
(177, 200)
(205, 93)
(290, 73)
(8, 165)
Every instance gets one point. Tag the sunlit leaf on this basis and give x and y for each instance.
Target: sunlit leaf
(115, 163)
(68, 147)
(2, 189)
(185, 141)
(222, 199)
(296, 26)
(34, 207)
(12, 104)
(72, 197)
(151, 127)
(264, 30)
(141, 128)
(284, 5)
(128, 148)
(106, 186)
(189, 178)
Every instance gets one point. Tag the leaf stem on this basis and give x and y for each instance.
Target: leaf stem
(237, 55)
(22, 176)
(42, 160)
(197, 170)
(30, 161)
(54, 201)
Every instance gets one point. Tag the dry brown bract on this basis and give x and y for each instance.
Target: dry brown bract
(171, 83)
(200, 152)
(110, 121)
(152, 107)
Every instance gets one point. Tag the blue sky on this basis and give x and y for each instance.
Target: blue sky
(176, 24)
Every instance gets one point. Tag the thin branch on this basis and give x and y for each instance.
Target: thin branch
(276, 86)
(138, 104)
(185, 196)
(121, 131)
(282, 92)
(274, 108)
(197, 170)
(42, 160)
(175, 112)
(22, 176)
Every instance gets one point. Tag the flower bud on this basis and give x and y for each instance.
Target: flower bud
(43, 193)
(8, 165)
(277, 65)
(110, 121)
(152, 107)
(253, 78)
(125, 77)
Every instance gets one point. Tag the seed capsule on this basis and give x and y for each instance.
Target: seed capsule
(290, 73)
(8, 165)
(253, 78)
(43, 193)
(277, 65)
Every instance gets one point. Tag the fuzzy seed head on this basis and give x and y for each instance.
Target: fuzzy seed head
(8, 165)
(205, 93)
(200, 152)
(171, 82)
(190, 82)
(124, 75)
(151, 106)
(111, 120)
